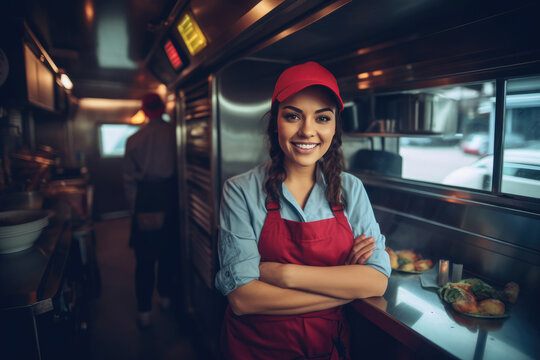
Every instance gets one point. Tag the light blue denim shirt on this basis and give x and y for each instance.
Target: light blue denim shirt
(243, 213)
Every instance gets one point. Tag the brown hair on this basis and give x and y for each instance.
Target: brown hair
(331, 163)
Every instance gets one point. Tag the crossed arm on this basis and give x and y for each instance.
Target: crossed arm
(285, 289)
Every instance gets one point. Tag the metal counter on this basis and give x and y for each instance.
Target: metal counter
(29, 280)
(416, 317)
(33, 275)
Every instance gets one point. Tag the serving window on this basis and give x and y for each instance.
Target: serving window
(521, 150)
(446, 135)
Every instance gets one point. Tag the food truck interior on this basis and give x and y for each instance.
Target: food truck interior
(441, 123)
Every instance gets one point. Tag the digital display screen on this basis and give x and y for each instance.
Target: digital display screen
(113, 137)
(172, 54)
(191, 34)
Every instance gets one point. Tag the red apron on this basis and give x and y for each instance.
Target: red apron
(315, 335)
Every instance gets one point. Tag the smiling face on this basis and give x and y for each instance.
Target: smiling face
(306, 124)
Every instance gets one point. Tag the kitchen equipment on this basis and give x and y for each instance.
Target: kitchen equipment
(46, 152)
(76, 193)
(457, 272)
(444, 269)
(19, 229)
(378, 161)
(26, 200)
(30, 170)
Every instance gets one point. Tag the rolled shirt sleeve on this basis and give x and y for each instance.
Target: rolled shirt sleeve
(362, 220)
(238, 252)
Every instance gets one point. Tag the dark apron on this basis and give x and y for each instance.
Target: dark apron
(154, 212)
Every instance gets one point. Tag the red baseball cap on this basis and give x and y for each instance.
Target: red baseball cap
(301, 76)
(152, 105)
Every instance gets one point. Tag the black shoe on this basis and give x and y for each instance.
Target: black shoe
(143, 320)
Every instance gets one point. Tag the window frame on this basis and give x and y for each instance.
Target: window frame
(494, 196)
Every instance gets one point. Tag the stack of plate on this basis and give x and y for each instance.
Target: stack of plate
(19, 229)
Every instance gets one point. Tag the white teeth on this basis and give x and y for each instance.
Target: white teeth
(306, 146)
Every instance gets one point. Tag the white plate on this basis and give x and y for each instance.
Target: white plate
(412, 272)
(505, 315)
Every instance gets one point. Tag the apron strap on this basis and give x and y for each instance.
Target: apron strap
(273, 214)
(272, 205)
(339, 214)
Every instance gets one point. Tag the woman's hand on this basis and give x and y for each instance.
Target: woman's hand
(273, 273)
(361, 250)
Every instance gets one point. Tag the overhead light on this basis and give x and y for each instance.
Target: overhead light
(162, 90)
(112, 36)
(363, 75)
(66, 82)
(109, 104)
(363, 85)
(89, 11)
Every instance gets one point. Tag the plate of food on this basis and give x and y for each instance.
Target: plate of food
(408, 261)
(475, 298)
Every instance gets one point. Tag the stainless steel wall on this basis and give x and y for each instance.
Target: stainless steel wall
(105, 173)
(493, 242)
(244, 93)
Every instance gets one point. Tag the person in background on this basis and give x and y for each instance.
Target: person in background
(150, 186)
(298, 237)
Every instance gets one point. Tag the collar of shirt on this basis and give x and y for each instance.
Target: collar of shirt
(316, 199)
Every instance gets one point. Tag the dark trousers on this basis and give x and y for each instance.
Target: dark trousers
(147, 253)
(156, 245)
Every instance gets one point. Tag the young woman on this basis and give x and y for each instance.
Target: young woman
(298, 238)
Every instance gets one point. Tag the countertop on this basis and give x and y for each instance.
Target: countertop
(418, 318)
(30, 276)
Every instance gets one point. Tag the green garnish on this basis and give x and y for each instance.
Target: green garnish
(403, 261)
(450, 294)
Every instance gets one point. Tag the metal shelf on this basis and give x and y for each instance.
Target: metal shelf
(415, 134)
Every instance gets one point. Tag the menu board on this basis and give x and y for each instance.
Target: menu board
(191, 34)
(172, 54)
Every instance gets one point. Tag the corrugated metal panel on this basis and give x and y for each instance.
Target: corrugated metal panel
(199, 181)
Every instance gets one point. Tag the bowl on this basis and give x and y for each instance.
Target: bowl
(19, 229)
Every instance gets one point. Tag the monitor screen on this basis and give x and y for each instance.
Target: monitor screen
(113, 137)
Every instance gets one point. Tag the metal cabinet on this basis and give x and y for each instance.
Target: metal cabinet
(199, 196)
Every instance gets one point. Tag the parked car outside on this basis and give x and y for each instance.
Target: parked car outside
(521, 173)
(431, 140)
(478, 143)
